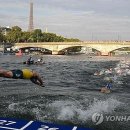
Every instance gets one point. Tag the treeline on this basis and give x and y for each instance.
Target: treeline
(15, 35)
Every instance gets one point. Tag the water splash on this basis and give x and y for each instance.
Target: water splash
(68, 110)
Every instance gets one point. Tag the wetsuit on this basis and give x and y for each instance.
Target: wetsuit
(22, 74)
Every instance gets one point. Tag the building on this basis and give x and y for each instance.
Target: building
(5, 30)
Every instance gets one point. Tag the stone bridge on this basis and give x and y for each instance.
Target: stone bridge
(104, 47)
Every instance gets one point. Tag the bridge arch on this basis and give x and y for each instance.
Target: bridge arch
(124, 47)
(32, 48)
(121, 50)
(73, 46)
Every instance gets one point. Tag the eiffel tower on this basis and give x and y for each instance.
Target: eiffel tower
(31, 27)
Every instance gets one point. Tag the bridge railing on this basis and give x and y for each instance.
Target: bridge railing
(74, 43)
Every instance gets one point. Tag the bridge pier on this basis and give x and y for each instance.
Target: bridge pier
(98, 53)
(55, 53)
(109, 54)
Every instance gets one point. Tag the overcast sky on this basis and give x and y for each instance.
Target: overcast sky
(82, 19)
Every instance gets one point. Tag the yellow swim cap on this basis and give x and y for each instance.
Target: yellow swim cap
(27, 74)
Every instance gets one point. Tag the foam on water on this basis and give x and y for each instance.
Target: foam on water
(68, 110)
(38, 113)
(13, 106)
(117, 73)
(116, 79)
(23, 108)
(18, 106)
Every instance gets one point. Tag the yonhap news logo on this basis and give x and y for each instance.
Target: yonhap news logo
(98, 118)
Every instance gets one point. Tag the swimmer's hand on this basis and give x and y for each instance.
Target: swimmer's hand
(42, 85)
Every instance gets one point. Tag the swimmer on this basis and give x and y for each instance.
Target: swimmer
(107, 88)
(109, 84)
(108, 71)
(40, 60)
(97, 73)
(22, 74)
(30, 60)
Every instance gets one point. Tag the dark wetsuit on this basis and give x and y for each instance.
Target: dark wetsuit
(17, 74)
(23, 74)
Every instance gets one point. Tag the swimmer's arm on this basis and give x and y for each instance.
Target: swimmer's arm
(37, 81)
(34, 80)
(40, 80)
(2, 73)
(6, 74)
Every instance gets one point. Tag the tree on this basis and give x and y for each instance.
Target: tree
(36, 35)
(15, 34)
(2, 37)
(26, 37)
